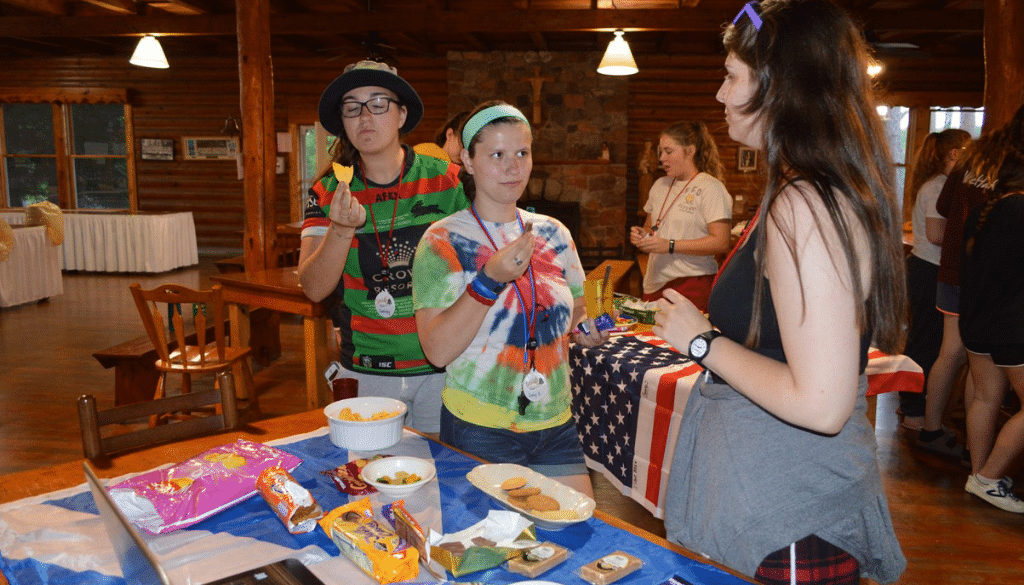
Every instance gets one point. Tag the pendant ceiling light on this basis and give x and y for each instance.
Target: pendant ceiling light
(149, 53)
(618, 59)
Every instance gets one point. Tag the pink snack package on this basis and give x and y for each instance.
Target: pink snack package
(164, 500)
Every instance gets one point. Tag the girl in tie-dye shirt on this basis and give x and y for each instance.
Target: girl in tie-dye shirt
(497, 291)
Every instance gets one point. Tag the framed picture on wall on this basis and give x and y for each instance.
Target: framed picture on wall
(746, 159)
(210, 147)
(157, 149)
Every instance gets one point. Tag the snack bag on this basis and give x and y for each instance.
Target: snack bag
(175, 497)
(293, 503)
(374, 548)
(599, 304)
(347, 479)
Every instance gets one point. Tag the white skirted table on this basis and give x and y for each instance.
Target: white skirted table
(124, 242)
(32, 271)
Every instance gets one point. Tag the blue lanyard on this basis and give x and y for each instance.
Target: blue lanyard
(529, 327)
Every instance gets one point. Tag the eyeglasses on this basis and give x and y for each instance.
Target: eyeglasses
(751, 9)
(375, 105)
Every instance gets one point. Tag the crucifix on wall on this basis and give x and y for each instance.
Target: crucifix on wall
(537, 82)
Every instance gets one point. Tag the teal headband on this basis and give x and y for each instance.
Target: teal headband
(485, 117)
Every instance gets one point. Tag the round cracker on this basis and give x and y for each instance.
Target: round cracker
(519, 503)
(524, 492)
(542, 503)
(513, 483)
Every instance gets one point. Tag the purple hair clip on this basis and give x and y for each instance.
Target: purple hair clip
(750, 9)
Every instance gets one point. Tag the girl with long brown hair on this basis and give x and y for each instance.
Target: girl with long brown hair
(775, 467)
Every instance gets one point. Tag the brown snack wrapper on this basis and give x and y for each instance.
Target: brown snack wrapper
(346, 477)
(293, 503)
(377, 550)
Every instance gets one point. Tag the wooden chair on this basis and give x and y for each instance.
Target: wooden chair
(203, 311)
(206, 356)
(95, 446)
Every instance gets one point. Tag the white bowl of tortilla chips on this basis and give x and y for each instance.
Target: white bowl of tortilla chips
(365, 423)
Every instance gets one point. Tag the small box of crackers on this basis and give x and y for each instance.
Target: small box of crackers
(492, 541)
(539, 559)
(610, 568)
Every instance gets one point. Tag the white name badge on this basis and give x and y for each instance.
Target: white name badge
(385, 304)
(535, 386)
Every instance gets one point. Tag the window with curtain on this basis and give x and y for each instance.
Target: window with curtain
(75, 155)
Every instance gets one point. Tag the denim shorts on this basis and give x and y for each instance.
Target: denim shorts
(421, 395)
(554, 452)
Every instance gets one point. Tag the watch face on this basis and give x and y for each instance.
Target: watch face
(698, 347)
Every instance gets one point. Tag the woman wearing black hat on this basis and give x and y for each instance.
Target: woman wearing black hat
(359, 234)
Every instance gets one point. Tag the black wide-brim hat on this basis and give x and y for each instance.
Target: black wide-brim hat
(362, 74)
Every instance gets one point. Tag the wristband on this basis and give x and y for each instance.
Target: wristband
(671, 246)
(479, 297)
(489, 283)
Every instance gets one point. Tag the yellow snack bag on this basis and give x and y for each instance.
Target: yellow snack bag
(599, 301)
(377, 550)
(592, 295)
(343, 173)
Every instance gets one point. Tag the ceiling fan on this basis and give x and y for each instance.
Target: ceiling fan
(894, 48)
(371, 49)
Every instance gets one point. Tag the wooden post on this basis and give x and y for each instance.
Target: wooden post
(1004, 61)
(256, 89)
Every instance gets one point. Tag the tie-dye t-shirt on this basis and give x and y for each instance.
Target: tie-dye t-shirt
(484, 383)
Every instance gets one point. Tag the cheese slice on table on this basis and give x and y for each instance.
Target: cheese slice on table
(343, 173)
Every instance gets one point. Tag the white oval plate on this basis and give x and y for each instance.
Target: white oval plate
(489, 477)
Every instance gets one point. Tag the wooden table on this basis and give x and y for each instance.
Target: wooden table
(67, 475)
(278, 289)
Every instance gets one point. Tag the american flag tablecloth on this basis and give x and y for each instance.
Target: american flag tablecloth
(628, 399)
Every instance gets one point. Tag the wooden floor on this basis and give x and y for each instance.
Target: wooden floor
(46, 361)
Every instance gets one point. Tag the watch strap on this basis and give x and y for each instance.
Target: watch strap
(708, 337)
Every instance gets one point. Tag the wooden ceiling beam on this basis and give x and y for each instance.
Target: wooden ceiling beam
(118, 6)
(52, 7)
(179, 7)
(686, 19)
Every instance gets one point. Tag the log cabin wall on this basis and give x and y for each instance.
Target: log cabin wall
(194, 97)
(670, 89)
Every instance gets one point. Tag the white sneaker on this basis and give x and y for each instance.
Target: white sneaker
(998, 494)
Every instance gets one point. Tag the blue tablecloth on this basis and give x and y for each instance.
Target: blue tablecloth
(62, 515)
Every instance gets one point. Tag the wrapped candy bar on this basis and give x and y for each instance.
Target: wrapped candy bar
(293, 503)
